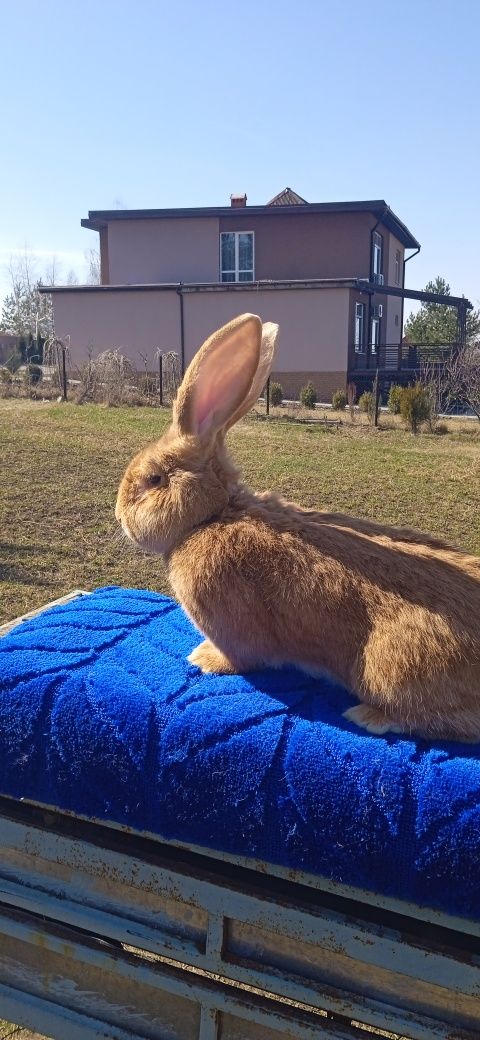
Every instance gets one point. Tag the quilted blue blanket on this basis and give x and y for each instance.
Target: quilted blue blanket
(101, 714)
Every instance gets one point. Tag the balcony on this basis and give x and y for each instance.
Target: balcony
(400, 358)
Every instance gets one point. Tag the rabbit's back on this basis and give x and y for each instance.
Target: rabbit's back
(393, 616)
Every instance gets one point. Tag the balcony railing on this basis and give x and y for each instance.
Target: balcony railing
(403, 357)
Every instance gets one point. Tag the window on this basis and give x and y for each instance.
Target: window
(359, 328)
(375, 335)
(377, 256)
(236, 256)
(398, 261)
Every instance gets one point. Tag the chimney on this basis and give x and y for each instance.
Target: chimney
(237, 201)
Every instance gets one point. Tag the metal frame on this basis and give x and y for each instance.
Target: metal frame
(109, 932)
(103, 932)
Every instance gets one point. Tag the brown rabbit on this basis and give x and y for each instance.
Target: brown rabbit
(391, 612)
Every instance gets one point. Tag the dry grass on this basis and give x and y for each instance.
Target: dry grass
(61, 466)
(8, 1031)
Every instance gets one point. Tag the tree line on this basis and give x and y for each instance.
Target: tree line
(27, 313)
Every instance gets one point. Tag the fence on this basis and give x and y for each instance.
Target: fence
(110, 378)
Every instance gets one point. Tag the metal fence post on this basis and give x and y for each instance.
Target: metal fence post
(160, 378)
(376, 398)
(63, 370)
(267, 396)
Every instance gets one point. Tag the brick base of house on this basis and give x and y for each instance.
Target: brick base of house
(325, 383)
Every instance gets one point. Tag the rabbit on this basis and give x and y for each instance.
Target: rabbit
(391, 613)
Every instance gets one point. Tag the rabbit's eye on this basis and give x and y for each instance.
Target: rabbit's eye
(157, 480)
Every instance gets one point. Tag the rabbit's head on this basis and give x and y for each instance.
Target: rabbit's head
(185, 478)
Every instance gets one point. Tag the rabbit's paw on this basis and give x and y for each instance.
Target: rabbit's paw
(208, 658)
(372, 719)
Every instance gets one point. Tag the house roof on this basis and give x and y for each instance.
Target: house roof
(287, 197)
(361, 285)
(100, 218)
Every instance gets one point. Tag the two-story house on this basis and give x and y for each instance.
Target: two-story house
(171, 276)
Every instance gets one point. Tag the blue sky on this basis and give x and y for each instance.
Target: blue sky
(148, 104)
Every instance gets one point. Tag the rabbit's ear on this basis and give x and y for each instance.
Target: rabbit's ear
(267, 354)
(219, 378)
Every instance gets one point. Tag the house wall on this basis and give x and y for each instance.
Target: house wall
(393, 245)
(392, 329)
(317, 245)
(313, 336)
(132, 322)
(176, 250)
(313, 327)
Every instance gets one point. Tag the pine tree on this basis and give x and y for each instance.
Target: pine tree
(436, 323)
(26, 312)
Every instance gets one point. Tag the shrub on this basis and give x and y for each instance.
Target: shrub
(434, 380)
(394, 398)
(33, 374)
(147, 384)
(308, 395)
(276, 393)
(14, 361)
(414, 406)
(111, 379)
(366, 402)
(6, 382)
(339, 400)
(441, 428)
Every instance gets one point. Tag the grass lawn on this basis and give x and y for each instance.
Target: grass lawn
(61, 465)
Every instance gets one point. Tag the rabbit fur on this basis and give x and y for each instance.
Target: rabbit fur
(391, 612)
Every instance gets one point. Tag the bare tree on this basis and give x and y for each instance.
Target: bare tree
(51, 274)
(351, 398)
(434, 380)
(94, 275)
(463, 378)
(171, 372)
(26, 312)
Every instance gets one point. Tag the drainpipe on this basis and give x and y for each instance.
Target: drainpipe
(179, 292)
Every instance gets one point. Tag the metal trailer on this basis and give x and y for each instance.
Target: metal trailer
(105, 932)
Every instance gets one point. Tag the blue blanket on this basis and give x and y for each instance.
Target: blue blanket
(101, 714)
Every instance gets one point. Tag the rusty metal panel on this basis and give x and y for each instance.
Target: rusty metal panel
(230, 930)
(233, 1028)
(348, 981)
(88, 977)
(39, 1013)
(75, 986)
(371, 900)
(144, 905)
